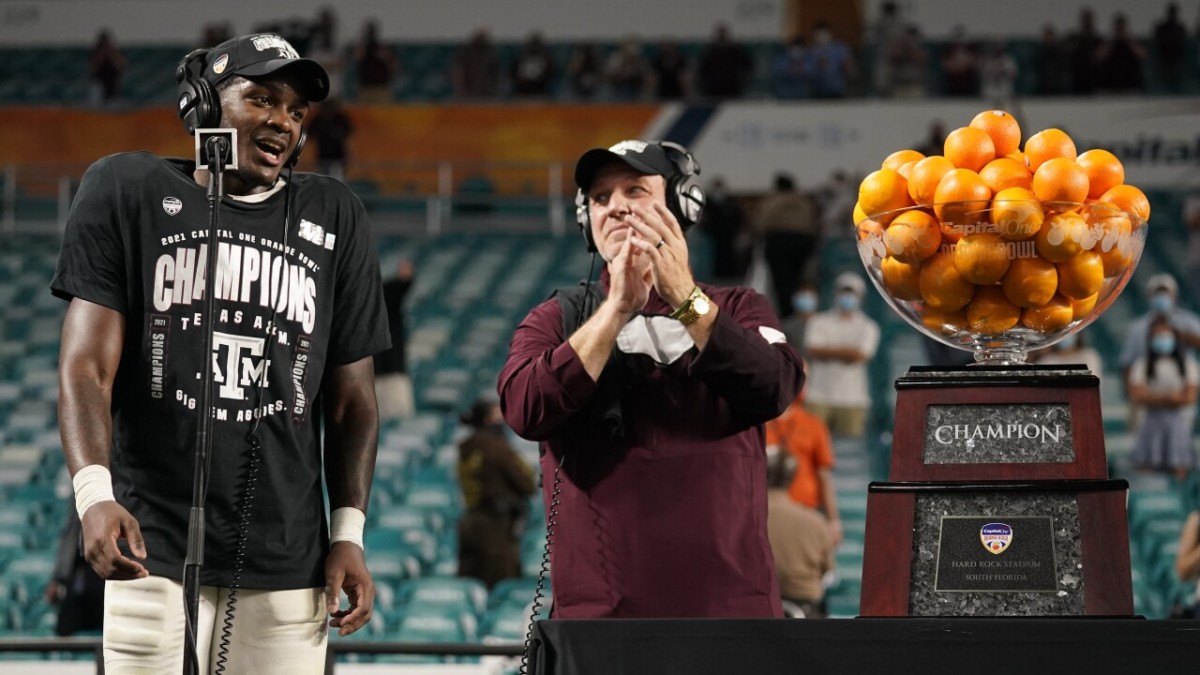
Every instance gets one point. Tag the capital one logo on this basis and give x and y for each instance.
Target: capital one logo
(238, 364)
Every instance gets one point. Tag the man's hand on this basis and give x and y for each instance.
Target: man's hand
(629, 280)
(346, 570)
(661, 239)
(104, 524)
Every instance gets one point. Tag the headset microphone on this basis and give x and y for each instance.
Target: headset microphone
(217, 146)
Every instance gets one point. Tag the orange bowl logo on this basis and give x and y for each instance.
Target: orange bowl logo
(996, 537)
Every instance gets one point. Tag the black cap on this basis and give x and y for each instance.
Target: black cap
(253, 56)
(646, 157)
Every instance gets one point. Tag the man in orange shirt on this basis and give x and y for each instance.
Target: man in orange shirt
(807, 439)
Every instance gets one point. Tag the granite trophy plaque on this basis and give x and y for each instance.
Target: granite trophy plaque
(998, 501)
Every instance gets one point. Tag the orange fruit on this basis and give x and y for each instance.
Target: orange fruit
(901, 157)
(1049, 317)
(1129, 199)
(1103, 169)
(1002, 173)
(1060, 180)
(1081, 308)
(969, 148)
(883, 191)
(989, 312)
(1017, 213)
(1002, 128)
(1019, 157)
(901, 279)
(1029, 282)
(961, 197)
(981, 258)
(1081, 276)
(906, 170)
(1046, 145)
(868, 228)
(859, 214)
(942, 287)
(913, 236)
(924, 177)
(944, 322)
(1061, 236)
(1115, 244)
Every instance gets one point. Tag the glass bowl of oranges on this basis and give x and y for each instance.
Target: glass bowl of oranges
(996, 253)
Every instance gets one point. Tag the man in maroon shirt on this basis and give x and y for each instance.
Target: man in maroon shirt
(650, 409)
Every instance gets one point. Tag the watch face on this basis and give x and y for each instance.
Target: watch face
(700, 306)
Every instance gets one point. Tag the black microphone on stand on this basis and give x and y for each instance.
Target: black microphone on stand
(216, 150)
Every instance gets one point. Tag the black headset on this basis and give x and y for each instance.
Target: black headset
(685, 197)
(199, 105)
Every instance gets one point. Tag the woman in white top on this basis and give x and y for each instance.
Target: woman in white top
(1164, 381)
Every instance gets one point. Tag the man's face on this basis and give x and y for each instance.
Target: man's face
(617, 188)
(267, 114)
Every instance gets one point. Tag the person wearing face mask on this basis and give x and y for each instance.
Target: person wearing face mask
(839, 343)
(830, 64)
(1164, 381)
(1163, 293)
(496, 487)
(804, 306)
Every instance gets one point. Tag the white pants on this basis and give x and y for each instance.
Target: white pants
(281, 632)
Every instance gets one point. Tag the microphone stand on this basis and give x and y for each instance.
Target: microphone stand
(217, 150)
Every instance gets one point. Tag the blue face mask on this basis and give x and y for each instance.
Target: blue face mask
(1162, 302)
(1162, 344)
(804, 302)
(847, 302)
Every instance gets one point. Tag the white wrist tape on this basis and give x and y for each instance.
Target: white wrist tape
(346, 524)
(93, 484)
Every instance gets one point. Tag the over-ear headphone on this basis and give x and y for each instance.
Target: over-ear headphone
(199, 105)
(685, 197)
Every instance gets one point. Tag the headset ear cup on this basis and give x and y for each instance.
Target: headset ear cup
(295, 156)
(196, 101)
(685, 197)
(583, 218)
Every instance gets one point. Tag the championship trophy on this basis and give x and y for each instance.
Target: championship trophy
(998, 500)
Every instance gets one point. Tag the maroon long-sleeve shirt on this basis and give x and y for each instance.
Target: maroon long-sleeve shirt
(670, 519)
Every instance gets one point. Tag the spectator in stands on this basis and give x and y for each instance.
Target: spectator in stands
(75, 588)
(1170, 43)
(1164, 381)
(626, 73)
(476, 69)
(805, 437)
(935, 142)
(647, 392)
(331, 129)
(836, 200)
(1051, 78)
(960, 66)
(831, 64)
(292, 411)
(106, 64)
(1072, 349)
(908, 60)
(325, 49)
(1122, 60)
(533, 69)
(496, 486)
(887, 32)
(1187, 560)
(584, 72)
(840, 342)
(725, 223)
(790, 76)
(393, 387)
(1163, 293)
(1085, 54)
(376, 67)
(670, 71)
(997, 76)
(725, 66)
(790, 230)
(804, 307)
(800, 541)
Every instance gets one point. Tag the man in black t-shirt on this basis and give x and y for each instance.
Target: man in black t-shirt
(297, 313)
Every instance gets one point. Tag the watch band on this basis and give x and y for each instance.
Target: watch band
(695, 306)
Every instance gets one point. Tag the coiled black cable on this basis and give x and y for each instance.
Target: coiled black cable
(540, 590)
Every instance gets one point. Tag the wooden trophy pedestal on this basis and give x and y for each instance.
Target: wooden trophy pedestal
(998, 501)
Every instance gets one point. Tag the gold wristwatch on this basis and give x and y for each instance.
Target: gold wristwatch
(695, 306)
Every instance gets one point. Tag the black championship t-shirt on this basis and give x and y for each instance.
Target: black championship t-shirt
(288, 304)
